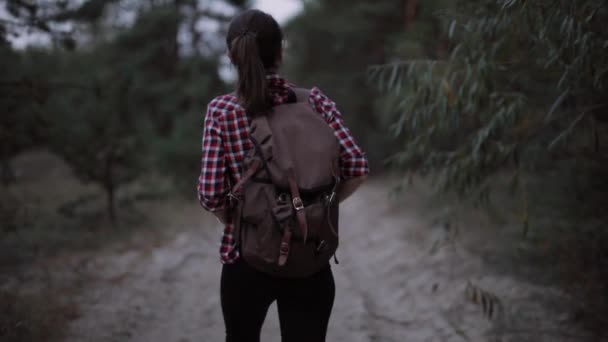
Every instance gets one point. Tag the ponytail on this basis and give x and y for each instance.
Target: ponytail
(251, 87)
(254, 42)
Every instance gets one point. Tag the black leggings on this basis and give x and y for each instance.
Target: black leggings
(304, 305)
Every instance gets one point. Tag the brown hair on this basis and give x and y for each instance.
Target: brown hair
(254, 43)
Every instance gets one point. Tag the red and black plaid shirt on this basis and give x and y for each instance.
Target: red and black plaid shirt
(226, 141)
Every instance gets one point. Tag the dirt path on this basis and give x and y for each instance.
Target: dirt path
(390, 287)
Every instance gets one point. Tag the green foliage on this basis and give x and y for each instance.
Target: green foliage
(125, 101)
(522, 87)
(94, 132)
(21, 123)
(175, 154)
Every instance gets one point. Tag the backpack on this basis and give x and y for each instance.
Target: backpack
(284, 207)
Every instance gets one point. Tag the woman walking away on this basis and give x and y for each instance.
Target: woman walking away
(276, 162)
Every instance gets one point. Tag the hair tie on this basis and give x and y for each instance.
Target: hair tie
(247, 32)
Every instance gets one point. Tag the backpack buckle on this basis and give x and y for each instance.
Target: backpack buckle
(297, 203)
(331, 197)
(233, 199)
(320, 247)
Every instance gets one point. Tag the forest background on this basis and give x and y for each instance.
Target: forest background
(499, 104)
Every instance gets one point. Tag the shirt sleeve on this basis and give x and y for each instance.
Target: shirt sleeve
(353, 161)
(211, 182)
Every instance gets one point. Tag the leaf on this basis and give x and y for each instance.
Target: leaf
(448, 91)
(556, 105)
(393, 77)
(564, 77)
(456, 51)
(508, 4)
(451, 29)
(565, 133)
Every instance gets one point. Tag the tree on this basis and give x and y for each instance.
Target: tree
(94, 131)
(117, 90)
(522, 88)
(520, 92)
(22, 124)
(113, 129)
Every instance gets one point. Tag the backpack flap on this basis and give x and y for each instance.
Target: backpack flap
(287, 223)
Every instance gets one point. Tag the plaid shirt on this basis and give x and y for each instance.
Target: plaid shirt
(226, 141)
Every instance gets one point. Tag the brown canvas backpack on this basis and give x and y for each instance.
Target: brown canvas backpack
(285, 207)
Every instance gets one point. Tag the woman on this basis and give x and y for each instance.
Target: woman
(304, 305)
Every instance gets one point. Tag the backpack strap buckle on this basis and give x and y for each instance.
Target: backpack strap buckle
(233, 199)
(297, 203)
(329, 199)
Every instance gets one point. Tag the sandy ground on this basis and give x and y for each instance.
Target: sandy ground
(390, 286)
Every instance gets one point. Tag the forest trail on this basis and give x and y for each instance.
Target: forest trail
(390, 286)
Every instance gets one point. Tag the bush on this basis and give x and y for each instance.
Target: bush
(522, 88)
